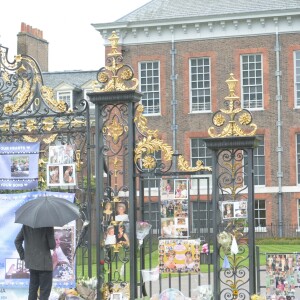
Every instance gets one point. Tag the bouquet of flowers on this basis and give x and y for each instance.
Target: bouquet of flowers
(87, 288)
(142, 229)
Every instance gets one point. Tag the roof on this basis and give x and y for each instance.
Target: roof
(74, 78)
(169, 9)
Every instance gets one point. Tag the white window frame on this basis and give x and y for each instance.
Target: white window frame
(260, 228)
(198, 86)
(253, 82)
(203, 182)
(256, 175)
(208, 221)
(61, 93)
(297, 79)
(150, 88)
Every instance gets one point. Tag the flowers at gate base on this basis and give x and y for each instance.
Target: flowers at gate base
(65, 294)
(205, 248)
(204, 292)
(87, 288)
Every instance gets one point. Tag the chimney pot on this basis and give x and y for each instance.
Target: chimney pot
(23, 27)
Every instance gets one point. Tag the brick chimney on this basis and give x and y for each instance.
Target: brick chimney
(31, 42)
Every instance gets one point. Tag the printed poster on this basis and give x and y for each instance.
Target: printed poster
(282, 275)
(13, 273)
(234, 209)
(179, 256)
(174, 208)
(61, 169)
(19, 165)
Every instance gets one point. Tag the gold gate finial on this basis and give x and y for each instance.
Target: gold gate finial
(233, 120)
(115, 76)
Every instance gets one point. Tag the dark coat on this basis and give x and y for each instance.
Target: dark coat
(37, 244)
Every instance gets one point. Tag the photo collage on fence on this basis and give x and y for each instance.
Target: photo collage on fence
(174, 208)
(61, 167)
(234, 209)
(116, 222)
(282, 275)
(63, 254)
(179, 256)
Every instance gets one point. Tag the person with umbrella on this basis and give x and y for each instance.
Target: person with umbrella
(39, 216)
(37, 255)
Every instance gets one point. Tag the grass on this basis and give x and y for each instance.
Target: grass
(265, 246)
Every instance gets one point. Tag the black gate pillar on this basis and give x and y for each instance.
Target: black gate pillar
(232, 146)
(115, 103)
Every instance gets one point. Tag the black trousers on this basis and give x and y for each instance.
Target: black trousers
(42, 280)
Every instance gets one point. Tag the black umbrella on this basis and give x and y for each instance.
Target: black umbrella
(47, 211)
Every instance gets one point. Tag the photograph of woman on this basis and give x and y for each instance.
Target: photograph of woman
(227, 210)
(121, 214)
(189, 261)
(53, 175)
(170, 263)
(122, 237)
(181, 190)
(168, 229)
(108, 213)
(110, 238)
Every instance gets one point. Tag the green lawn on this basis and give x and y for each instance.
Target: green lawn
(274, 246)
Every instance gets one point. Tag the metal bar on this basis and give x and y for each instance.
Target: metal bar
(99, 194)
(251, 227)
(257, 256)
(132, 202)
(215, 198)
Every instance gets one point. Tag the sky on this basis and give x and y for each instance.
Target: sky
(74, 44)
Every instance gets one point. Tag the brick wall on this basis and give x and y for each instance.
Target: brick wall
(32, 43)
(225, 58)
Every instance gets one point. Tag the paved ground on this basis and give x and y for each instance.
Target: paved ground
(189, 283)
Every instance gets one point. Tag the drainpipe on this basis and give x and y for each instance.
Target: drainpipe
(174, 103)
(279, 131)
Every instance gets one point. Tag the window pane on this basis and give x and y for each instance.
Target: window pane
(260, 213)
(252, 81)
(258, 161)
(200, 85)
(297, 78)
(199, 151)
(150, 86)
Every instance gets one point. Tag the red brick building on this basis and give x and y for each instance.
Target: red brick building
(182, 53)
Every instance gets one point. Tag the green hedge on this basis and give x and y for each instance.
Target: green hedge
(278, 241)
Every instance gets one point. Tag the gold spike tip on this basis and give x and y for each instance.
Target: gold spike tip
(114, 41)
(234, 120)
(231, 82)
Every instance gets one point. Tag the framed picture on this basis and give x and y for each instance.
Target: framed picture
(121, 214)
(167, 189)
(181, 188)
(62, 154)
(19, 166)
(234, 209)
(63, 254)
(68, 174)
(110, 235)
(179, 256)
(61, 175)
(108, 212)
